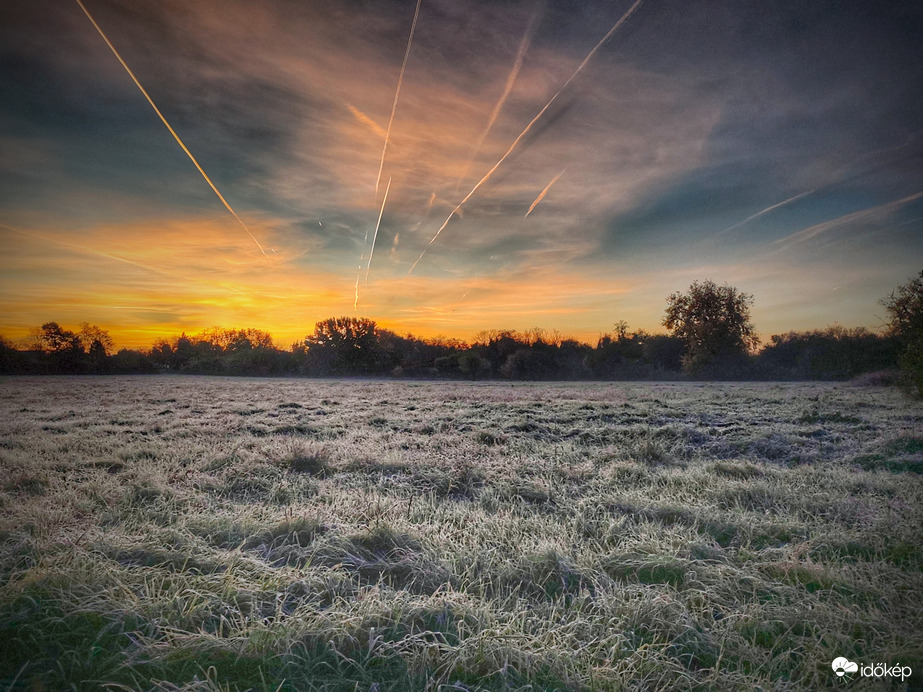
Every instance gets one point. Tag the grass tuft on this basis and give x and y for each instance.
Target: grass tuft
(737, 470)
(313, 462)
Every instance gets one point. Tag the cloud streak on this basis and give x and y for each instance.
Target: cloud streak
(372, 250)
(397, 93)
(172, 131)
(507, 87)
(384, 201)
(542, 194)
(807, 234)
(512, 147)
(763, 212)
(367, 121)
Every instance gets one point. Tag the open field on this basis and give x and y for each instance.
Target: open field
(221, 534)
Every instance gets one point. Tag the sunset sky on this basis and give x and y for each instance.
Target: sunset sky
(775, 146)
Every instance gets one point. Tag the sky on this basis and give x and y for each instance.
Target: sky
(536, 174)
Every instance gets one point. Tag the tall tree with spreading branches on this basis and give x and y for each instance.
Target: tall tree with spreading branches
(713, 322)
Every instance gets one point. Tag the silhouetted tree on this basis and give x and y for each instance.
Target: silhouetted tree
(63, 347)
(90, 334)
(465, 364)
(619, 354)
(183, 353)
(535, 363)
(433, 356)
(343, 345)
(132, 362)
(663, 353)
(711, 326)
(574, 360)
(905, 320)
(835, 353)
(97, 344)
(206, 359)
(10, 358)
(233, 340)
(217, 350)
(55, 339)
(174, 354)
(473, 366)
(496, 347)
(714, 323)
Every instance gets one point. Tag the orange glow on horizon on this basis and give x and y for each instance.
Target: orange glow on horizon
(197, 275)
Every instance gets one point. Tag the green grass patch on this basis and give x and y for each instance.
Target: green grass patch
(647, 569)
(816, 416)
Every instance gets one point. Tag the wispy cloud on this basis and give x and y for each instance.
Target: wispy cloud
(507, 87)
(664, 140)
(763, 212)
(397, 93)
(615, 27)
(366, 120)
(806, 234)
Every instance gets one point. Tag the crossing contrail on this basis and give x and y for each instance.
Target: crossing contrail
(377, 225)
(602, 42)
(172, 131)
(508, 87)
(397, 92)
(543, 193)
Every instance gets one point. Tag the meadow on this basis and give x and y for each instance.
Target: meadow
(191, 533)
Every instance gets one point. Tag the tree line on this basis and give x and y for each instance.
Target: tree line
(711, 337)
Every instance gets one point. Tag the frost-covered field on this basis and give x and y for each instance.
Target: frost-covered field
(205, 533)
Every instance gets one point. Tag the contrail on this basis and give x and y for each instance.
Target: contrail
(534, 120)
(366, 242)
(83, 248)
(377, 225)
(510, 80)
(359, 269)
(172, 131)
(764, 211)
(909, 140)
(808, 233)
(100, 253)
(366, 120)
(543, 193)
(397, 93)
